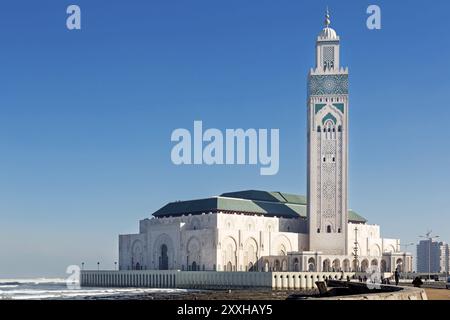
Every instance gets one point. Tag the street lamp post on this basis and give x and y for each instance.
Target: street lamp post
(430, 240)
(82, 266)
(115, 265)
(98, 266)
(404, 254)
(355, 251)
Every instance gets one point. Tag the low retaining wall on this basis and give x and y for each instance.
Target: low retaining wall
(206, 279)
(407, 293)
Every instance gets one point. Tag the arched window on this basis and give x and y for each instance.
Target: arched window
(296, 265)
(311, 265)
(318, 129)
(277, 265)
(330, 129)
(284, 265)
(326, 265)
(328, 229)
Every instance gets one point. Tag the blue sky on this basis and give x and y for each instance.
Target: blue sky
(86, 116)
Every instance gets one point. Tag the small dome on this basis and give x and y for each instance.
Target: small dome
(328, 33)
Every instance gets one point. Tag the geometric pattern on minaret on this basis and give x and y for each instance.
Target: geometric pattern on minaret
(327, 134)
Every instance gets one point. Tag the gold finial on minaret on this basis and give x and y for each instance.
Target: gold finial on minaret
(327, 19)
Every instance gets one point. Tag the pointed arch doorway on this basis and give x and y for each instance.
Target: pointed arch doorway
(163, 258)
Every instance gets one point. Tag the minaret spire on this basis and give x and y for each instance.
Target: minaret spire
(327, 18)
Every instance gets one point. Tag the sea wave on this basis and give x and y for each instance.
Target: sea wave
(36, 294)
(4, 282)
(56, 288)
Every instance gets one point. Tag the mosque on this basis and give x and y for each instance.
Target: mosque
(274, 231)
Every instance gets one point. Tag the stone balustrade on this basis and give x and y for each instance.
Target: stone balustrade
(206, 279)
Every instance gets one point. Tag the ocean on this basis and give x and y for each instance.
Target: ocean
(46, 288)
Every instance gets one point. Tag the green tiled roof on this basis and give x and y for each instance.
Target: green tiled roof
(266, 196)
(250, 201)
(354, 217)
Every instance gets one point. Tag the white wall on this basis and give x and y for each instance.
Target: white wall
(370, 241)
(212, 241)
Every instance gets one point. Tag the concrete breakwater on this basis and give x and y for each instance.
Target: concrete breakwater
(207, 279)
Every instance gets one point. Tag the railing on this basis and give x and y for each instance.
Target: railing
(304, 280)
(207, 279)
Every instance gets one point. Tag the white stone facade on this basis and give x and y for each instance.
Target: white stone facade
(237, 242)
(262, 231)
(213, 241)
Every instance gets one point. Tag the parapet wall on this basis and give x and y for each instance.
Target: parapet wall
(407, 293)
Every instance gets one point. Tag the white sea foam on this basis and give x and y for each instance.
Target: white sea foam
(54, 288)
(67, 294)
(31, 281)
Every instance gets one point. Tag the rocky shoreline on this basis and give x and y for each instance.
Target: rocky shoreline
(210, 295)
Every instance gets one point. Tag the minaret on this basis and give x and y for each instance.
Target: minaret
(327, 147)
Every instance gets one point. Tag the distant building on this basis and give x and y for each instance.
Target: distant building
(263, 231)
(433, 257)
